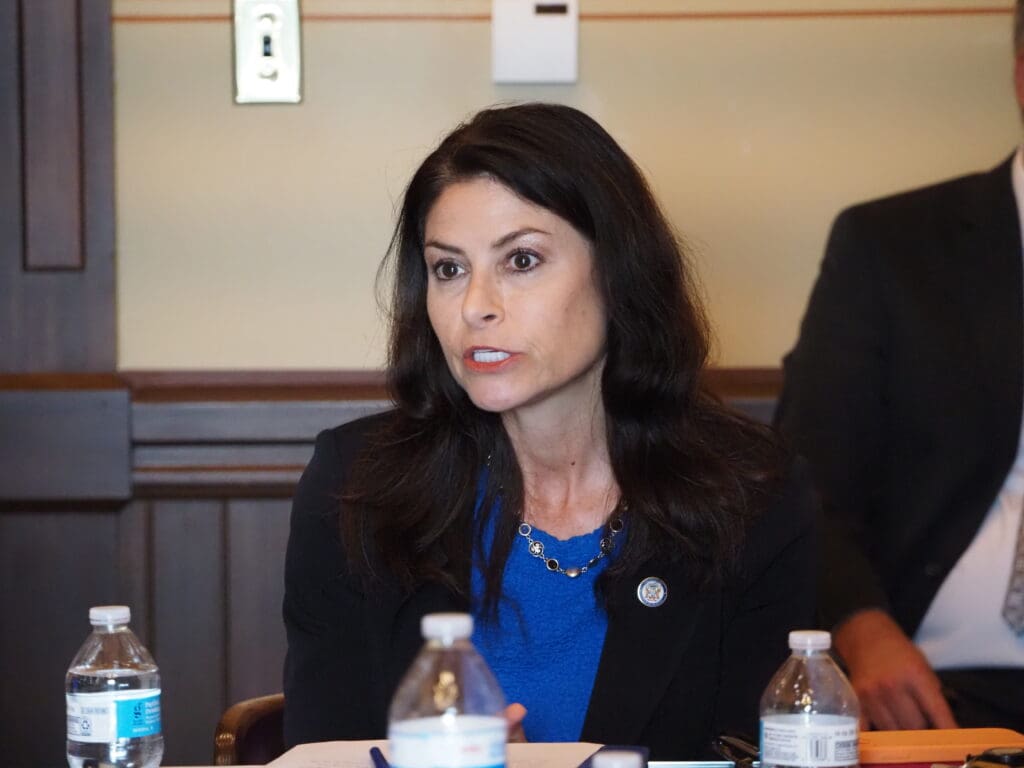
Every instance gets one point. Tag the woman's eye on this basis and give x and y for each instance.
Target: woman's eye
(524, 261)
(447, 270)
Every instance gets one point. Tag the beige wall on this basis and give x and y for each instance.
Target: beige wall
(248, 237)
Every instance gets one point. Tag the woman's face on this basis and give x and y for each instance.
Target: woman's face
(512, 298)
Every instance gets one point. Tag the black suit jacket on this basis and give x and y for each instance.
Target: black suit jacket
(904, 389)
(669, 677)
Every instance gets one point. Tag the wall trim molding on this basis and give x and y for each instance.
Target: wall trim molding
(353, 384)
(235, 434)
(60, 381)
(766, 14)
(177, 385)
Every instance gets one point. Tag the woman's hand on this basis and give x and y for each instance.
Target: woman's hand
(514, 714)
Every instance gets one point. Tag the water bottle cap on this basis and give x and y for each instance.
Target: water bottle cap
(616, 758)
(109, 614)
(810, 640)
(446, 626)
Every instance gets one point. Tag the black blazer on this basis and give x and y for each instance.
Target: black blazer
(669, 677)
(904, 389)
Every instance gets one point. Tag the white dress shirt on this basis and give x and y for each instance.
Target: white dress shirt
(964, 627)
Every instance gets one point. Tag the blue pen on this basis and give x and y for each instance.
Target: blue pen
(379, 761)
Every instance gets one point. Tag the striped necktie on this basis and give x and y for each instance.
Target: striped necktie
(1013, 605)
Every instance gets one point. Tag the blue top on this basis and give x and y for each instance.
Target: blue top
(545, 645)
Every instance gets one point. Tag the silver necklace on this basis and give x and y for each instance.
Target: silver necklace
(536, 548)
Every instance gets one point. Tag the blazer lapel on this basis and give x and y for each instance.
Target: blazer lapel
(394, 616)
(642, 650)
(991, 289)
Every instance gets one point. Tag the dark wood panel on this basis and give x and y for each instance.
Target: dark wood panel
(188, 615)
(99, 231)
(54, 565)
(51, 124)
(64, 445)
(256, 541)
(205, 597)
(135, 571)
(56, 319)
(245, 422)
(225, 449)
(11, 207)
(758, 408)
(201, 569)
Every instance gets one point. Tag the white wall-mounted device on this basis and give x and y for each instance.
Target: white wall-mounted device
(534, 41)
(268, 52)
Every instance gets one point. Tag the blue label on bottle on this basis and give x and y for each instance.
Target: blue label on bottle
(138, 717)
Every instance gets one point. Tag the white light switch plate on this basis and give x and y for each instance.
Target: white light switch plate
(268, 52)
(534, 41)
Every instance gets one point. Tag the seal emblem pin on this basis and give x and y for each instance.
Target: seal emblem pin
(652, 592)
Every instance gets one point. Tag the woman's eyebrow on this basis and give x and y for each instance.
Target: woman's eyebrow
(443, 246)
(506, 239)
(500, 242)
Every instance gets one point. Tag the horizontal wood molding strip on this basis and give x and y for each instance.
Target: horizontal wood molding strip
(229, 448)
(224, 433)
(60, 381)
(735, 15)
(242, 422)
(182, 458)
(168, 386)
(52, 136)
(214, 433)
(798, 15)
(217, 483)
(744, 382)
(325, 386)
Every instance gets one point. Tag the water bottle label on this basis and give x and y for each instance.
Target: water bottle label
(96, 718)
(809, 741)
(463, 741)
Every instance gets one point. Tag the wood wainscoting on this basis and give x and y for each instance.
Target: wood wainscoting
(169, 492)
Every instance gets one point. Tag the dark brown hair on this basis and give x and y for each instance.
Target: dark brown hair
(687, 466)
(1018, 27)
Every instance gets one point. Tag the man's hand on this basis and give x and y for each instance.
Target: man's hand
(897, 688)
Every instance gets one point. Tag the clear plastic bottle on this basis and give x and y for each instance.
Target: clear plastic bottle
(809, 712)
(113, 697)
(616, 758)
(448, 711)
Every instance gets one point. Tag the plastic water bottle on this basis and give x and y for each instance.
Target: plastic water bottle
(448, 711)
(617, 758)
(809, 712)
(113, 697)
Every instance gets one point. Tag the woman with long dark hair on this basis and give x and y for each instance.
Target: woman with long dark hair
(633, 551)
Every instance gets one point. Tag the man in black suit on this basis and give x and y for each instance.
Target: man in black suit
(905, 394)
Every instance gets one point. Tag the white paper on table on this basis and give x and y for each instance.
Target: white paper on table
(356, 754)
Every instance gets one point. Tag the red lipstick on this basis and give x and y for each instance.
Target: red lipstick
(488, 359)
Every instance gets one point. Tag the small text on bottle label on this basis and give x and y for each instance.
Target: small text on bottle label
(809, 741)
(96, 718)
(462, 741)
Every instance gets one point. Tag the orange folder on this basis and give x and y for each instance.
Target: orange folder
(923, 748)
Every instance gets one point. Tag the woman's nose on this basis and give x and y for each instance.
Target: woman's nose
(482, 304)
